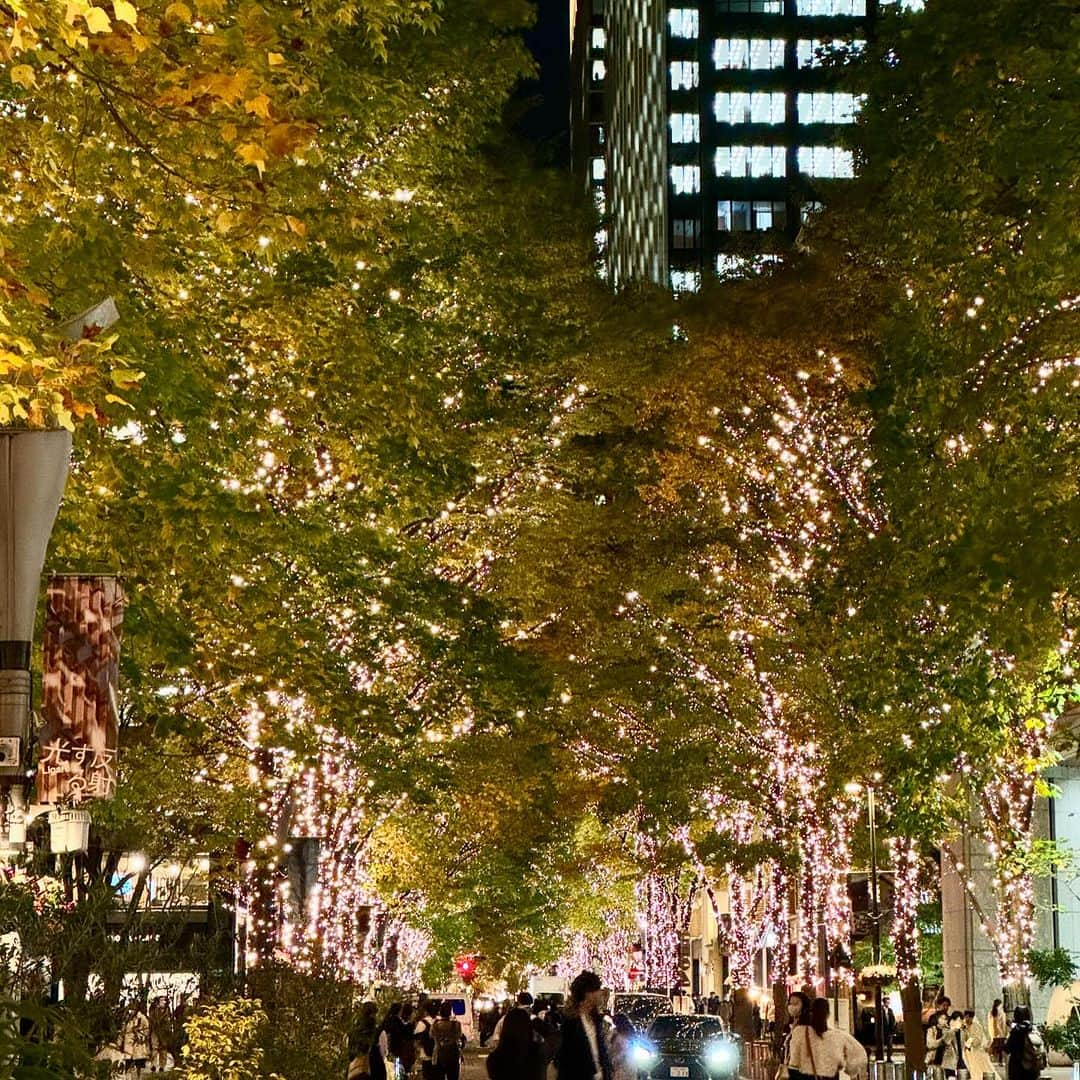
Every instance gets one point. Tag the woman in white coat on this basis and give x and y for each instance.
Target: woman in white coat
(821, 1051)
(977, 1049)
(941, 1045)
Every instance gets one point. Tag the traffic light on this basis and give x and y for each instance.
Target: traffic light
(466, 968)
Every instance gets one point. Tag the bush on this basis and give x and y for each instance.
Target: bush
(226, 1041)
(1065, 1037)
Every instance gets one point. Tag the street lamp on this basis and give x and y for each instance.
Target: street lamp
(875, 911)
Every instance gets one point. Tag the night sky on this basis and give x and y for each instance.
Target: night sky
(544, 104)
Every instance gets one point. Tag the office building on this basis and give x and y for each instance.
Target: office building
(709, 131)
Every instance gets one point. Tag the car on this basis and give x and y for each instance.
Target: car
(680, 1046)
(639, 1009)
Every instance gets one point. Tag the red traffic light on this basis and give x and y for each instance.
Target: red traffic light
(466, 967)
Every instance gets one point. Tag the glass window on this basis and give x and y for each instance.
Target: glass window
(738, 107)
(599, 169)
(685, 179)
(684, 74)
(767, 108)
(832, 7)
(826, 161)
(599, 38)
(766, 53)
(683, 22)
(769, 215)
(733, 54)
(828, 108)
(599, 70)
(685, 127)
(736, 266)
(751, 161)
(757, 7)
(685, 280)
(686, 233)
(732, 108)
(732, 216)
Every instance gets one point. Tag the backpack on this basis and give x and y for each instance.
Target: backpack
(1033, 1054)
(447, 1035)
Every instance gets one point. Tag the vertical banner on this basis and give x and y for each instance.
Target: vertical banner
(78, 739)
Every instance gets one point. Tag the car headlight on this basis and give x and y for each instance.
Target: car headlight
(643, 1056)
(721, 1057)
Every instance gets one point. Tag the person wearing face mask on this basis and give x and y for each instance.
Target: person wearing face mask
(798, 1012)
(941, 1048)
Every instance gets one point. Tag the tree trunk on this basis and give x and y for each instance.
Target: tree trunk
(914, 1039)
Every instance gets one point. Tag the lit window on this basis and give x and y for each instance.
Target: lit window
(683, 22)
(599, 70)
(685, 280)
(827, 108)
(769, 215)
(684, 74)
(809, 209)
(732, 216)
(599, 38)
(756, 7)
(742, 108)
(826, 161)
(832, 7)
(685, 127)
(685, 179)
(599, 169)
(737, 266)
(734, 54)
(751, 161)
(731, 54)
(686, 233)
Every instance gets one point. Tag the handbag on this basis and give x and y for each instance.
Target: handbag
(810, 1051)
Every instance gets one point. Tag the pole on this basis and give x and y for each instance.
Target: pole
(875, 922)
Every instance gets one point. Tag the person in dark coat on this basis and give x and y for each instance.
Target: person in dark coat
(583, 1051)
(520, 1053)
(1014, 1046)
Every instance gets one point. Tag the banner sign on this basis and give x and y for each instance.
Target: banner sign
(83, 621)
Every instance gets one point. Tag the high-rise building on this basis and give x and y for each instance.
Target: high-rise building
(708, 131)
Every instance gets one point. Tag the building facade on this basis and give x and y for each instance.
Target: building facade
(709, 131)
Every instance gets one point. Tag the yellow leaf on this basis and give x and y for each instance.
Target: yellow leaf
(124, 11)
(275, 59)
(296, 225)
(63, 418)
(178, 12)
(224, 221)
(74, 9)
(252, 154)
(97, 20)
(112, 399)
(23, 75)
(259, 105)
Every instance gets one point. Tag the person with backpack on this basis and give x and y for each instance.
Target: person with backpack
(1024, 1048)
(448, 1041)
(425, 1042)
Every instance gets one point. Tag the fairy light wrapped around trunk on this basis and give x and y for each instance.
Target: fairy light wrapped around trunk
(907, 885)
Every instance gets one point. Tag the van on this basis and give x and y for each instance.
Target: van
(462, 1007)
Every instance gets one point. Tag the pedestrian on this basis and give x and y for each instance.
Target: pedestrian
(362, 1035)
(997, 1027)
(422, 1037)
(977, 1049)
(449, 1039)
(524, 1001)
(798, 1012)
(379, 1056)
(620, 1048)
(714, 1004)
(160, 1019)
(742, 1015)
(583, 1051)
(941, 1048)
(818, 1050)
(1024, 1049)
(888, 1028)
(520, 1053)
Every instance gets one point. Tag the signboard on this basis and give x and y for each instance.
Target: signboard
(78, 738)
